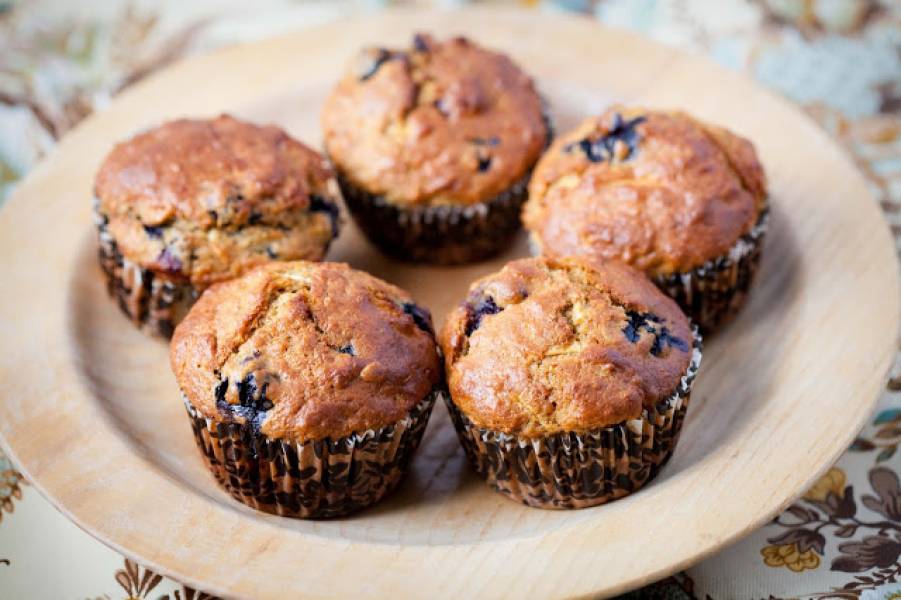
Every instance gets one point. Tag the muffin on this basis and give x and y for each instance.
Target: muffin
(193, 202)
(568, 379)
(433, 147)
(681, 200)
(308, 386)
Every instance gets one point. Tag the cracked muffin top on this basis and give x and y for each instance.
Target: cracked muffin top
(305, 350)
(547, 346)
(205, 200)
(661, 191)
(443, 122)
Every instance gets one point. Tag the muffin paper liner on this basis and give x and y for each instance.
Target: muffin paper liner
(153, 301)
(443, 234)
(578, 470)
(713, 293)
(313, 479)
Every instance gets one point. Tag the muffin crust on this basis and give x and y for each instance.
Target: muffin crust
(444, 122)
(563, 345)
(661, 191)
(306, 351)
(205, 200)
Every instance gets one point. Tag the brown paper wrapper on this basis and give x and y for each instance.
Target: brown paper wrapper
(578, 470)
(313, 479)
(152, 301)
(445, 234)
(713, 293)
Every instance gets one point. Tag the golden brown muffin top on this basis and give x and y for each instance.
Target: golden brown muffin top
(205, 200)
(443, 122)
(304, 351)
(658, 190)
(547, 346)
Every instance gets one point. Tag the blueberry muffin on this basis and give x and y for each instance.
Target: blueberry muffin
(193, 202)
(568, 379)
(308, 385)
(681, 200)
(433, 147)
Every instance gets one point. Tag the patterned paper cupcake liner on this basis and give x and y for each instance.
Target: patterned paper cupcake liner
(153, 301)
(444, 234)
(578, 470)
(313, 479)
(713, 293)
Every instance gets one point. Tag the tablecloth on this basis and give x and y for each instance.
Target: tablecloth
(839, 60)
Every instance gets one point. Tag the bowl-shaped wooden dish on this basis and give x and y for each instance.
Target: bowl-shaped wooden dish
(91, 413)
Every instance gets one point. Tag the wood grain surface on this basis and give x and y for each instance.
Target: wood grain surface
(90, 411)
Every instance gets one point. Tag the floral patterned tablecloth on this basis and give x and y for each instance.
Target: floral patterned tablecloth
(840, 60)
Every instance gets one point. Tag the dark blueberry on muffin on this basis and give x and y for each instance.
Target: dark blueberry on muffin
(433, 147)
(308, 386)
(681, 200)
(191, 203)
(569, 379)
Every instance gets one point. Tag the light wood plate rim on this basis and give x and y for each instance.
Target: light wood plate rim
(56, 398)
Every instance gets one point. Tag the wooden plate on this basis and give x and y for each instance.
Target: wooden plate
(91, 413)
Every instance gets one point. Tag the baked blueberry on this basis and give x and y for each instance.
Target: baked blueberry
(421, 317)
(475, 312)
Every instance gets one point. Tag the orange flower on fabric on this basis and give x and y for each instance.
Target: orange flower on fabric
(833, 481)
(788, 555)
